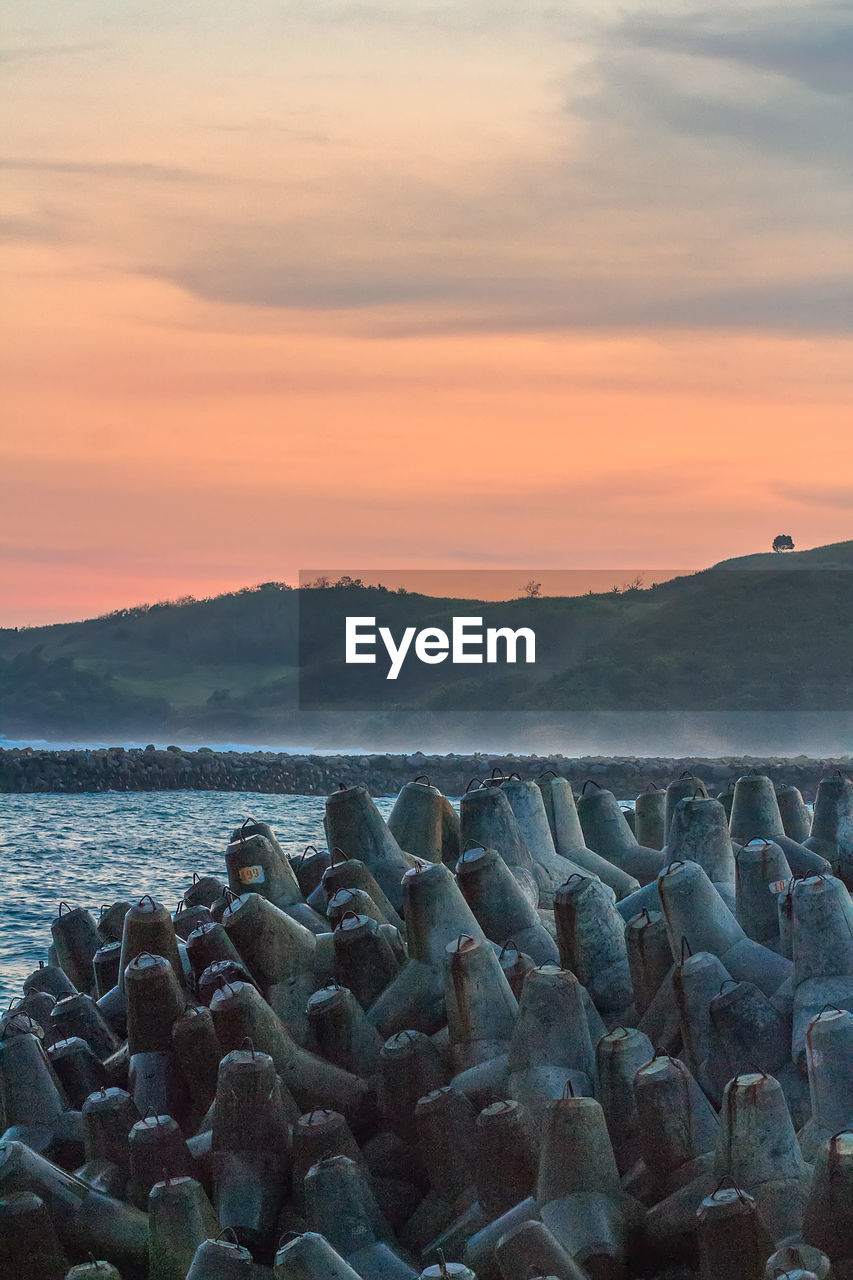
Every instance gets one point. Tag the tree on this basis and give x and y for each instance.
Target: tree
(783, 542)
(533, 590)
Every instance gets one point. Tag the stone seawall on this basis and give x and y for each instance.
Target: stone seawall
(27, 770)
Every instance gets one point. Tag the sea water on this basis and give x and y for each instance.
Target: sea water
(89, 850)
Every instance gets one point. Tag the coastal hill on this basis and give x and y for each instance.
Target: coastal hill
(763, 633)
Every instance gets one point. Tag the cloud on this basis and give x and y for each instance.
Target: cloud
(819, 495)
(811, 44)
(134, 170)
(692, 174)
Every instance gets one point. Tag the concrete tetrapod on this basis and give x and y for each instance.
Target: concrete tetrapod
(516, 965)
(451, 833)
(591, 940)
(829, 1054)
(186, 919)
(278, 952)
(796, 818)
(157, 1149)
(149, 930)
(416, 821)
(694, 910)
(154, 1002)
(802, 860)
(352, 900)
(444, 1123)
(527, 804)
(486, 819)
(364, 959)
(79, 1015)
(687, 786)
(49, 978)
(105, 964)
(341, 1207)
(832, 825)
(695, 983)
(678, 1128)
(481, 1009)
(752, 1035)
(506, 1158)
(354, 824)
(250, 1145)
(757, 1148)
(342, 1032)
(98, 1270)
(650, 826)
(733, 1241)
(699, 832)
(309, 866)
(310, 1257)
(500, 906)
(197, 1053)
(85, 1221)
(759, 864)
(797, 1262)
(649, 956)
(256, 865)
(822, 949)
(755, 810)
(606, 831)
(530, 1249)
(568, 835)
(203, 891)
(77, 1069)
(551, 1047)
(240, 1012)
(828, 1218)
(447, 1271)
(76, 939)
(29, 1246)
(350, 873)
(221, 1260)
(581, 1200)
(34, 1109)
(410, 1067)
(619, 1056)
(436, 914)
(316, 1136)
(180, 1218)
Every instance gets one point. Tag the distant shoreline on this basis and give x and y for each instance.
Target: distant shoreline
(30, 770)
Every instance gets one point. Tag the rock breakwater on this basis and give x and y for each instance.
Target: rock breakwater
(28, 770)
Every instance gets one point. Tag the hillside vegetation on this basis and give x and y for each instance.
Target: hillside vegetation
(776, 637)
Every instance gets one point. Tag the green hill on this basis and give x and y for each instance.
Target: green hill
(775, 638)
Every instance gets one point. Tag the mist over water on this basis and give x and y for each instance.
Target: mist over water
(703, 735)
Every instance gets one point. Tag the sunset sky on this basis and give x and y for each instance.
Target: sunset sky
(418, 284)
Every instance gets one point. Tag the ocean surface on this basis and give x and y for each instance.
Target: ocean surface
(92, 849)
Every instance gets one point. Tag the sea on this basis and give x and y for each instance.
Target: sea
(89, 850)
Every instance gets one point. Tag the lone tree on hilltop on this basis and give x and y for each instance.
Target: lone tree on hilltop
(783, 542)
(531, 589)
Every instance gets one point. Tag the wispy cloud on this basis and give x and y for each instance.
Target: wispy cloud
(819, 495)
(120, 169)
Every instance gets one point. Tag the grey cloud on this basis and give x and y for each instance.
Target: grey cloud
(28, 230)
(812, 44)
(654, 209)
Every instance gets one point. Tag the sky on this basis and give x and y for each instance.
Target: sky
(421, 284)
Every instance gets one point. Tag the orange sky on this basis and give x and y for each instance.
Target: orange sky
(416, 285)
